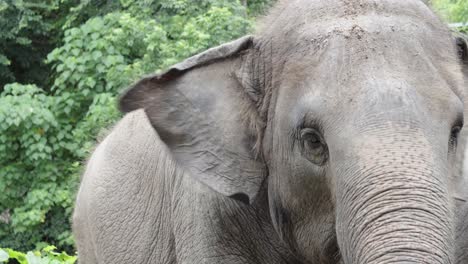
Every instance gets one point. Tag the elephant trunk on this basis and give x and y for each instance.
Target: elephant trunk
(394, 209)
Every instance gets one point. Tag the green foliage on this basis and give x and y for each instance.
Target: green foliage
(45, 256)
(455, 11)
(29, 30)
(78, 56)
(35, 177)
(258, 7)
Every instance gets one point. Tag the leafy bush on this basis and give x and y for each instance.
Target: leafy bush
(45, 256)
(36, 181)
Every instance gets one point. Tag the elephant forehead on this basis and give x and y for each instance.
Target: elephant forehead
(371, 24)
(343, 72)
(289, 14)
(371, 101)
(379, 98)
(371, 34)
(387, 59)
(401, 38)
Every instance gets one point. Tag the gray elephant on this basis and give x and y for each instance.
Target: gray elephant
(328, 137)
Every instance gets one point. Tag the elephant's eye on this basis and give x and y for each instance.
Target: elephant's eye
(313, 146)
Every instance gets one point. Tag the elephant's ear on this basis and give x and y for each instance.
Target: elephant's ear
(204, 114)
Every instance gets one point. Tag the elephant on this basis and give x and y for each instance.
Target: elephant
(328, 136)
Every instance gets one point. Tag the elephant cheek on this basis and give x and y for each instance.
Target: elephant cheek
(304, 221)
(281, 221)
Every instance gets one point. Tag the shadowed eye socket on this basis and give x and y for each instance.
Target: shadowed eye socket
(313, 146)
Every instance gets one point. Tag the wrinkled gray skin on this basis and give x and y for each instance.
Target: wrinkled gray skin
(461, 206)
(328, 137)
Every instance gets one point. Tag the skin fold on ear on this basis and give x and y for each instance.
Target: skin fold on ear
(205, 117)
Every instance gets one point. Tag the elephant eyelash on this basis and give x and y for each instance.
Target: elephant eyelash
(303, 125)
(454, 133)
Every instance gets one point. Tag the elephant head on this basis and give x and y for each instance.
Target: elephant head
(348, 111)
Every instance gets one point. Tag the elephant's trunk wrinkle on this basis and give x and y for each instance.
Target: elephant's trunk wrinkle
(393, 215)
(430, 242)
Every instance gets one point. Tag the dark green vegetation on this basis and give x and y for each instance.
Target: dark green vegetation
(62, 65)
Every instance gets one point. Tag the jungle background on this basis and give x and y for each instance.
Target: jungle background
(63, 64)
